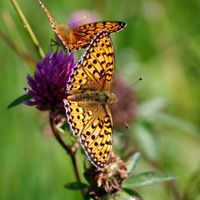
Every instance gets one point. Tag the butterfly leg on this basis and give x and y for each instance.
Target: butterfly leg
(54, 43)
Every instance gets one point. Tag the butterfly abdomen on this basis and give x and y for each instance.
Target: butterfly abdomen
(101, 97)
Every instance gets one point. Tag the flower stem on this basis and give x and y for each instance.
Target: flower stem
(28, 29)
(67, 148)
(16, 49)
(57, 135)
(73, 158)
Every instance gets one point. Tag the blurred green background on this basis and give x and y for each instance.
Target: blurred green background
(161, 43)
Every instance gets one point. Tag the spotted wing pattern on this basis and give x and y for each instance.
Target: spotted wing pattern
(78, 113)
(89, 120)
(95, 69)
(81, 36)
(96, 137)
(93, 124)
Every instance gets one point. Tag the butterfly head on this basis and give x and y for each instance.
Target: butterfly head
(112, 98)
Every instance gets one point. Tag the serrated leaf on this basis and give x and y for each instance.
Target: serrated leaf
(132, 193)
(132, 162)
(19, 100)
(76, 186)
(147, 178)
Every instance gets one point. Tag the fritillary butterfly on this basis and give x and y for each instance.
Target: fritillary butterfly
(89, 96)
(80, 37)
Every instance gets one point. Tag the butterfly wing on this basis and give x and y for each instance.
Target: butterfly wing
(96, 137)
(95, 69)
(78, 114)
(90, 76)
(93, 123)
(62, 31)
(82, 35)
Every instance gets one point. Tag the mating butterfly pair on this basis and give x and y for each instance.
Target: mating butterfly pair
(89, 96)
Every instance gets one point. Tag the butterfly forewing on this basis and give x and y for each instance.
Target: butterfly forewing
(80, 36)
(57, 29)
(95, 70)
(85, 33)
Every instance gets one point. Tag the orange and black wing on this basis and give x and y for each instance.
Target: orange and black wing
(81, 36)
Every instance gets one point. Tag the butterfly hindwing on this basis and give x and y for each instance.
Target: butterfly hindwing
(92, 123)
(78, 114)
(96, 137)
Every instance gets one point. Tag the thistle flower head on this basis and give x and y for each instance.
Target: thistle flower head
(48, 84)
(107, 181)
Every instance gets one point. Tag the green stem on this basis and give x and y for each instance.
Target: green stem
(16, 49)
(28, 28)
(67, 148)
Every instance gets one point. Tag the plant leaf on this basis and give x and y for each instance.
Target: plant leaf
(19, 100)
(76, 186)
(145, 136)
(132, 162)
(132, 193)
(124, 195)
(147, 178)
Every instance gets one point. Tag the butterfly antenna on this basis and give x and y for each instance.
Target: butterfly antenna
(136, 82)
(51, 21)
(123, 120)
(126, 125)
(54, 43)
(50, 18)
(132, 85)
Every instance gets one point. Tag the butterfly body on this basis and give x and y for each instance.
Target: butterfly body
(100, 97)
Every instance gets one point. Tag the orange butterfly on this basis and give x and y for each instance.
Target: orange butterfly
(87, 104)
(80, 37)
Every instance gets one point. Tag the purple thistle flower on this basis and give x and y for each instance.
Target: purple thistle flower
(48, 85)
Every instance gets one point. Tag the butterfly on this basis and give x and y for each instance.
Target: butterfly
(87, 104)
(80, 37)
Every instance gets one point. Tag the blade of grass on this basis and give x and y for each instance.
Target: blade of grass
(28, 29)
